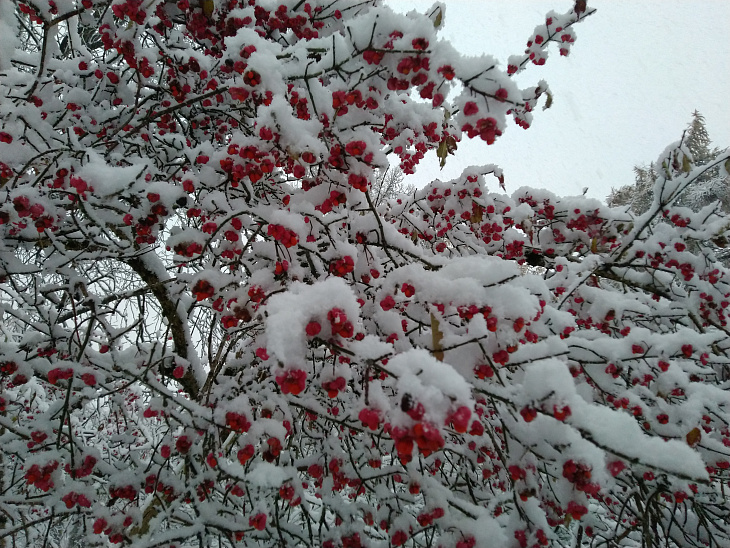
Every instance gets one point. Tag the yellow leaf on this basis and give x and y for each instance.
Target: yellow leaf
(446, 147)
(686, 166)
(477, 213)
(437, 20)
(436, 336)
(694, 436)
(293, 154)
(549, 101)
(442, 152)
(208, 7)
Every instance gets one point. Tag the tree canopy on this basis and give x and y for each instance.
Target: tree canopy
(216, 335)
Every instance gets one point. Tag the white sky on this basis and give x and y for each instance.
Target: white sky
(627, 90)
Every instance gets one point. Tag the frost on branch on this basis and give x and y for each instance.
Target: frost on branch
(217, 333)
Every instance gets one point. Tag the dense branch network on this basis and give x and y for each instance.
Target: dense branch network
(226, 322)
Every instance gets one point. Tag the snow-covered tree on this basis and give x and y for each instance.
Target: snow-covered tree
(388, 184)
(709, 188)
(213, 334)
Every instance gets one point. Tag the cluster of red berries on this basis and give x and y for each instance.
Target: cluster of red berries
(72, 499)
(237, 422)
(40, 476)
(484, 128)
(57, 374)
(334, 386)
(283, 235)
(36, 212)
(335, 199)
(370, 418)
(342, 266)
(85, 469)
(425, 435)
(339, 324)
(203, 290)
(127, 492)
(112, 531)
(292, 381)
(580, 475)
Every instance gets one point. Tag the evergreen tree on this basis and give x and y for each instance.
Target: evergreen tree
(698, 140)
(709, 187)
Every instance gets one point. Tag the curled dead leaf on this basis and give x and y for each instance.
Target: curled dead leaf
(436, 336)
(594, 245)
(437, 18)
(548, 101)
(208, 6)
(477, 213)
(720, 241)
(446, 147)
(686, 165)
(694, 437)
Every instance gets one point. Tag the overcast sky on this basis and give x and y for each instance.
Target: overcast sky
(633, 78)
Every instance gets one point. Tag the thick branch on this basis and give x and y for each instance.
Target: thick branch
(174, 321)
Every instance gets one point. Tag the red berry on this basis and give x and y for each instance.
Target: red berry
(528, 413)
(313, 328)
